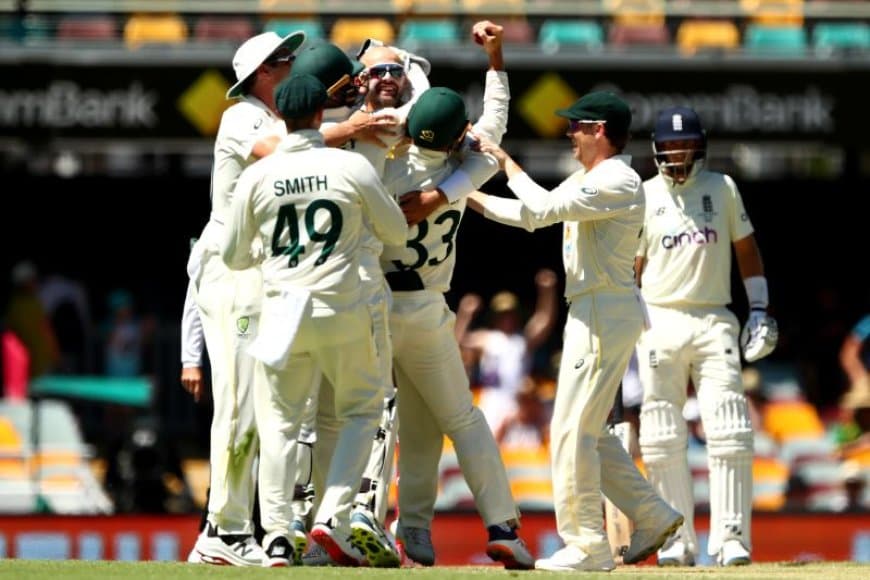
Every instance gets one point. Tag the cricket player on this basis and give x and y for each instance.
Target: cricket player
(601, 207)
(393, 80)
(311, 205)
(693, 217)
(434, 398)
(229, 302)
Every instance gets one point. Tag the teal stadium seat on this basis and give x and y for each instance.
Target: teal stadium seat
(776, 40)
(312, 28)
(25, 30)
(414, 33)
(557, 34)
(841, 36)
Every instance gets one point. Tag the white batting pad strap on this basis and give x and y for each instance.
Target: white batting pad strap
(756, 291)
(663, 432)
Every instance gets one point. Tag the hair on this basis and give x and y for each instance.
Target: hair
(299, 123)
(618, 141)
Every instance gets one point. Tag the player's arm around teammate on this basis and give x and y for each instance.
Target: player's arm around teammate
(475, 169)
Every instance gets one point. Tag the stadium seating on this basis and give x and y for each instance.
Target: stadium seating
(221, 29)
(637, 12)
(143, 29)
(350, 33)
(774, 12)
(414, 33)
(701, 34)
(555, 34)
(312, 28)
(647, 35)
(494, 7)
(87, 28)
(517, 31)
(761, 39)
(841, 36)
(25, 30)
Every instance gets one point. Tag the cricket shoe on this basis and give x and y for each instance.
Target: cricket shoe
(648, 538)
(677, 554)
(339, 548)
(229, 549)
(300, 540)
(574, 559)
(733, 553)
(368, 537)
(505, 546)
(317, 556)
(416, 544)
(279, 554)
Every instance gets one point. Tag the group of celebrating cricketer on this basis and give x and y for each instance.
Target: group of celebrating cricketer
(317, 287)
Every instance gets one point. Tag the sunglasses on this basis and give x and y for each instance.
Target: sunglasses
(396, 71)
(574, 125)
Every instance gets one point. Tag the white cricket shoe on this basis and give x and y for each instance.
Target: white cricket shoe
(733, 553)
(507, 547)
(279, 554)
(416, 543)
(368, 537)
(229, 549)
(317, 556)
(677, 554)
(574, 559)
(647, 538)
(339, 547)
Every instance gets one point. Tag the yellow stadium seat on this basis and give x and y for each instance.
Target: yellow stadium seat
(793, 419)
(13, 463)
(769, 483)
(350, 33)
(425, 7)
(495, 7)
(695, 35)
(155, 29)
(647, 12)
(774, 12)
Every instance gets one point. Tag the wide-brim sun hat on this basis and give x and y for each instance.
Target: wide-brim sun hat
(257, 50)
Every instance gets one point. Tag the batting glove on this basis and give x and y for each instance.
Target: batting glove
(759, 336)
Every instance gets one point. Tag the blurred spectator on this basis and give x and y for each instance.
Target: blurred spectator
(503, 351)
(26, 318)
(852, 436)
(66, 305)
(854, 357)
(528, 427)
(127, 337)
(15, 362)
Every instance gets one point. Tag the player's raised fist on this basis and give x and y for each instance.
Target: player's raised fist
(487, 33)
(545, 278)
(470, 304)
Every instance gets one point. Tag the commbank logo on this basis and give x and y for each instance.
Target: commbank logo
(706, 236)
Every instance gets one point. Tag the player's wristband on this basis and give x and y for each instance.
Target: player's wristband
(756, 292)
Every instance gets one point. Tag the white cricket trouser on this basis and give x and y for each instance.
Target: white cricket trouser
(320, 416)
(229, 303)
(434, 399)
(698, 343)
(600, 334)
(341, 347)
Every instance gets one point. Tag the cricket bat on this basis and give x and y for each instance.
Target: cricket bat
(619, 527)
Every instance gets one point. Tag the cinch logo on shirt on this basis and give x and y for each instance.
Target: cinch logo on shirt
(705, 236)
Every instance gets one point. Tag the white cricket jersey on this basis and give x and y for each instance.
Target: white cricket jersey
(430, 248)
(242, 125)
(602, 211)
(308, 203)
(688, 232)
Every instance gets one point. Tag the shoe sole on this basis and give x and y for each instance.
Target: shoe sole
(675, 563)
(737, 562)
(333, 549)
(300, 544)
(277, 563)
(506, 556)
(660, 541)
(377, 556)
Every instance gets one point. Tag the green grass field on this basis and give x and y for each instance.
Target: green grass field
(79, 570)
